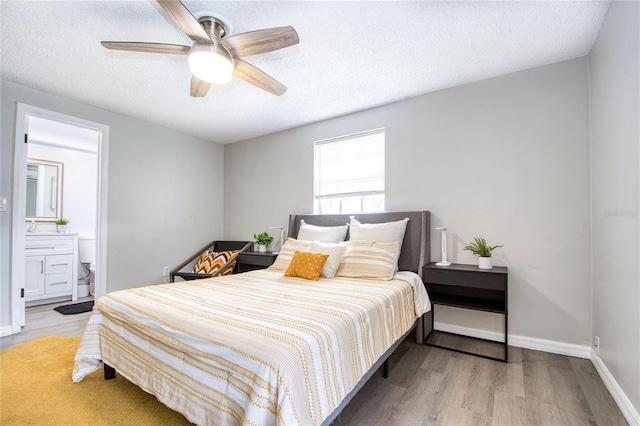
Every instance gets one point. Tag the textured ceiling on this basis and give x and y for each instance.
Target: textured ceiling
(352, 55)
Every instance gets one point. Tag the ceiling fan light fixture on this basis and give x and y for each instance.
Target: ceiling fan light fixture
(215, 55)
(211, 63)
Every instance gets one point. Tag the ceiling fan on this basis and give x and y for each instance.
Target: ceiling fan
(214, 58)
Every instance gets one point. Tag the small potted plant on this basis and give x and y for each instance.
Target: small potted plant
(481, 249)
(61, 224)
(263, 240)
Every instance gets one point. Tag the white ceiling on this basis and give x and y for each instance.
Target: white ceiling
(353, 55)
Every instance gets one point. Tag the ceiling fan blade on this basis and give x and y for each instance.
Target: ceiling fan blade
(258, 78)
(260, 41)
(184, 19)
(173, 49)
(199, 88)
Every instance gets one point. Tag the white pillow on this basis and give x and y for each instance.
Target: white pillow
(369, 259)
(335, 252)
(325, 234)
(286, 253)
(386, 232)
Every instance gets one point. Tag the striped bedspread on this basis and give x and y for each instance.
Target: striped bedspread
(256, 348)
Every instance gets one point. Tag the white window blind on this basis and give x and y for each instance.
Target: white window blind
(350, 174)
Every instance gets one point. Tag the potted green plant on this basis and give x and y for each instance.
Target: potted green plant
(262, 240)
(61, 224)
(481, 249)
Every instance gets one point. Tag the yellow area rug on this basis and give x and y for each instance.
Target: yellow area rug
(36, 389)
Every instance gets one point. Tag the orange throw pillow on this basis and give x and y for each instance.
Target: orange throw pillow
(306, 264)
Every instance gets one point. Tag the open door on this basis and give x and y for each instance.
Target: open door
(24, 114)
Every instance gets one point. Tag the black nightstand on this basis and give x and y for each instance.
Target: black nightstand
(469, 287)
(252, 260)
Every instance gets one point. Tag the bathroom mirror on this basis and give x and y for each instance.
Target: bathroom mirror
(44, 190)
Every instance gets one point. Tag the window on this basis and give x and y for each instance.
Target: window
(349, 174)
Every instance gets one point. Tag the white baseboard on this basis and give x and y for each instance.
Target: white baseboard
(6, 331)
(551, 346)
(627, 408)
(543, 345)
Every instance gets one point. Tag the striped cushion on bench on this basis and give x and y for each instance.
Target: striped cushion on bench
(210, 262)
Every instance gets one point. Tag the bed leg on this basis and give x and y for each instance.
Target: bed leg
(385, 368)
(420, 331)
(109, 372)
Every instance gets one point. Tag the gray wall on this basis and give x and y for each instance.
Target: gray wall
(506, 159)
(165, 192)
(615, 180)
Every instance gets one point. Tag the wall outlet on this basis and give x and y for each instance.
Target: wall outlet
(596, 345)
(165, 271)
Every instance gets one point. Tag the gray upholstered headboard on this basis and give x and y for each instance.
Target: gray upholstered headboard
(416, 246)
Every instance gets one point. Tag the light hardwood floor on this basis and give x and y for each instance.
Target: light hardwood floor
(431, 386)
(43, 320)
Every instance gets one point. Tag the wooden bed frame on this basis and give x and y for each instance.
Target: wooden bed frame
(414, 254)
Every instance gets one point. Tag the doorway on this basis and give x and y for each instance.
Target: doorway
(85, 140)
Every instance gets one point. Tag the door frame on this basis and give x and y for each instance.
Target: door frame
(19, 204)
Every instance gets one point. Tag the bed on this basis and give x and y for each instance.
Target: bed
(261, 347)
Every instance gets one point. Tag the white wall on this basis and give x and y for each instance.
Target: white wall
(506, 159)
(158, 211)
(79, 185)
(615, 180)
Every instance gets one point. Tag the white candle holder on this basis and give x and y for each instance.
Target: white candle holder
(444, 261)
